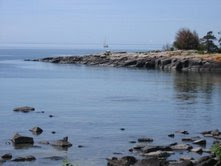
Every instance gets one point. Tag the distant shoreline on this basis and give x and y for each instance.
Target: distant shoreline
(165, 60)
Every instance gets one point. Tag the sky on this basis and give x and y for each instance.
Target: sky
(88, 23)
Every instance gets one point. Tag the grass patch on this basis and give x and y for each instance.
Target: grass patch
(67, 163)
(217, 58)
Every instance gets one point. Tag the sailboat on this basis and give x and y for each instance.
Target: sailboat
(105, 44)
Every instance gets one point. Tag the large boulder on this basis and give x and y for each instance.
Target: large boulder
(24, 109)
(19, 139)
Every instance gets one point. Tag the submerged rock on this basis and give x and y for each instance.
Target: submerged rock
(44, 142)
(7, 156)
(54, 158)
(182, 132)
(190, 139)
(51, 116)
(80, 146)
(171, 135)
(36, 130)
(19, 139)
(26, 158)
(145, 139)
(62, 143)
(24, 109)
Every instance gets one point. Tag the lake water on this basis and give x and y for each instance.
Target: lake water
(91, 104)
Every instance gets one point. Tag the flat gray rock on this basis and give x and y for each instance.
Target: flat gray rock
(181, 147)
(26, 158)
(197, 150)
(24, 109)
(200, 142)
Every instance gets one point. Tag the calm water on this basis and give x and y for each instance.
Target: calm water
(91, 104)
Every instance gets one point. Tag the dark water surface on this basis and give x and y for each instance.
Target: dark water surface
(91, 104)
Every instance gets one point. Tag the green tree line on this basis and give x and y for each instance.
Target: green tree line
(186, 39)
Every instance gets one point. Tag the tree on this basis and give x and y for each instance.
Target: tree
(186, 40)
(167, 47)
(219, 38)
(207, 42)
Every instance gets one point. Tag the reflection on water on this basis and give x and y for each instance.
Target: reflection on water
(198, 97)
(189, 87)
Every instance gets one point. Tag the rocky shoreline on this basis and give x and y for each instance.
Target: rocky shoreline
(167, 60)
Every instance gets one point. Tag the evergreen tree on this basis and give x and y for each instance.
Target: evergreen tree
(219, 38)
(207, 42)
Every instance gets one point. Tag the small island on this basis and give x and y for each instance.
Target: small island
(165, 60)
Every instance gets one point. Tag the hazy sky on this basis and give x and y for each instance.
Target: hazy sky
(91, 21)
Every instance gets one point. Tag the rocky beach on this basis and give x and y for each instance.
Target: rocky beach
(165, 60)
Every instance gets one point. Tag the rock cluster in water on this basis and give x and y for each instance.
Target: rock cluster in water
(144, 153)
(171, 60)
(21, 141)
(157, 155)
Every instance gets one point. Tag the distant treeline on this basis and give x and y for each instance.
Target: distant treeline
(186, 39)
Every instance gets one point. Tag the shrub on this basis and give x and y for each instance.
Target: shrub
(216, 149)
(186, 40)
